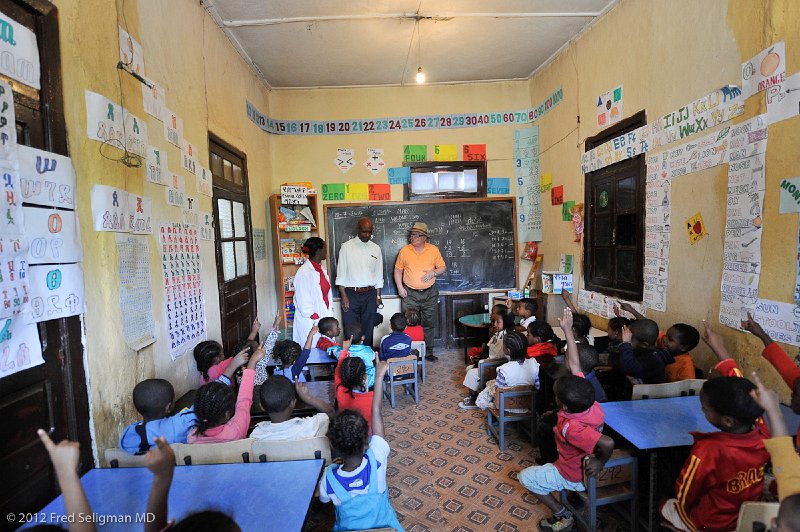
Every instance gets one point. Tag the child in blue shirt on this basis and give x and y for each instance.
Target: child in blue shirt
(154, 399)
(291, 358)
(396, 344)
(358, 487)
(353, 332)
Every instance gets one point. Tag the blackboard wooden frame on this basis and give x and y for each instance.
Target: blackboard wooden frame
(512, 200)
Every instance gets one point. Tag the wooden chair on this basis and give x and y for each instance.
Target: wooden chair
(669, 389)
(756, 512)
(420, 347)
(232, 452)
(286, 450)
(116, 457)
(516, 397)
(617, 482)
(402, 370)
(487, 370)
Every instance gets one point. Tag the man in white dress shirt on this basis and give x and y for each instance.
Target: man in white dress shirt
(359, 278)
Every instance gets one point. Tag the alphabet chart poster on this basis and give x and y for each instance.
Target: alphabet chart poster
(20, 54)
(157, 165)
(46, 178)
(135, 293)
(20, 348)
(14, 286)
(114, 209)
(179, 247)
(53, 236)
(56, 291)
(8, 129)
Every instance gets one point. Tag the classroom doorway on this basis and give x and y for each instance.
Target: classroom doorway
(234, 244)
(52, 395)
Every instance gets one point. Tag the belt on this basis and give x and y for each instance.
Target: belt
(360, 289)
(419, 289)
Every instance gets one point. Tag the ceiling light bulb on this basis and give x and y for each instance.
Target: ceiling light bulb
(420, 75)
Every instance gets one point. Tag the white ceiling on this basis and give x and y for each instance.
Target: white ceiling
(346, 43)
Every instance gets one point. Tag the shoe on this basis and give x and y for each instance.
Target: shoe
(556, 524)
(432, 358)
(467, 404)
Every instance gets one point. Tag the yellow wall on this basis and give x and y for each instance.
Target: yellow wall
(666, 53)
(207, 83)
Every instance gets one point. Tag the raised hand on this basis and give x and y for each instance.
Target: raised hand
(627, 335)
(565, 322)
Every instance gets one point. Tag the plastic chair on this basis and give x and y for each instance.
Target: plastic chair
(617, 482)
(403, 371)
(516, 397)
(669, 389)
(286, 450)
(420, 347)
(232, 452)
(756, 512)
(116, 457)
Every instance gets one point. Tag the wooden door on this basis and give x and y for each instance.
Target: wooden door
(52, 395)
(458, 305)
(234, 248)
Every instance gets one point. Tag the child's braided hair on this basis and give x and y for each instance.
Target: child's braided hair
(204, 355)
(212, 403)
(352, 371)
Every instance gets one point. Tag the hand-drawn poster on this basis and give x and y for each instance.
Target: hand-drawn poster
(157, 166)
(173, 127)
(140, 215)
(374, 162)
(764, 70)
(175, 197)
(179, 248)
(10, 205)
(20, 53)
(790, 195)
(136, 139)
(609, 107)
(259, 244)
(445, 152)
(345, 159)
(135, 292)
(53, 236)
(104, 120)
(203, 178)
(46, 178)
(56, 292)
(14, 287)
(130, 52)
(154, 99)
(526, 172)
(781, 321)
(205, 225)
(783, 99)
(189, 157)
(8, 127)
(20, 347)
(109, 208)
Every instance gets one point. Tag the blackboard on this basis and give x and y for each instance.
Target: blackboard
(477, 239)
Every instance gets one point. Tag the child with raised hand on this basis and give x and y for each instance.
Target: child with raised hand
(154, 399)
(211, 360)
(219, 419)
(350, 381)
(358, 487)
(578, 435)
(292, 358)
(354, 340)
(785, 461)
(639, 358)
(784, 365)
(519, 371)
(279, 396)
(65, 457)
(525, 309)
(269, 346)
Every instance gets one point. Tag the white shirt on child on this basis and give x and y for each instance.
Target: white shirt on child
(354, 481)
(292, 429)
(527, 321)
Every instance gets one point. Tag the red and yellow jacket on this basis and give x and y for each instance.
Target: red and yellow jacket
(786, 367)
(723, 471)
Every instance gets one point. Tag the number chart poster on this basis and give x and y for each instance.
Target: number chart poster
(135, 293)
(183, 293)
(526, 171)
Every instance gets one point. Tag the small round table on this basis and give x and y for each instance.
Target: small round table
(478, 324)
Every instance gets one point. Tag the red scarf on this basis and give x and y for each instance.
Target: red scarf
(324, 284)
(542, 349)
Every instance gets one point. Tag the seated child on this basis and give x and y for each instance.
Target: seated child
(543, 344)
(614, 331)
(519, 371)
(525, 309)
(278, 396)
(581, 324)
(414, 325)
(480, 353)
(328, 331)
(354, 347)
(153, 399)
(269, 347)
(211, 361)
(679, 340)
(358, 487)
(502, 324)
(218, 418)
(291, 358)
(578, 435)
(352, 392)
(784, 365)
(724, 469)
(639, 358)
(396, 344)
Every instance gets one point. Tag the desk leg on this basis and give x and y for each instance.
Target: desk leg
(311, 372)
(653, 482)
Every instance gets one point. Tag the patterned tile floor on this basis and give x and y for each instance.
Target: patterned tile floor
(445, 472)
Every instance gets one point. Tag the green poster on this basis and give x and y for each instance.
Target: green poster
(566, 210)
(333, 192)
(415, 153)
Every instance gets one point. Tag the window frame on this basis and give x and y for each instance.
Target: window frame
(447, 166)
(630, 290)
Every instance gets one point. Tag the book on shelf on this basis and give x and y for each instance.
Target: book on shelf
(288, 283)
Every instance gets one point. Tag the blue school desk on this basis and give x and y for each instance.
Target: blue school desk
(259, 496)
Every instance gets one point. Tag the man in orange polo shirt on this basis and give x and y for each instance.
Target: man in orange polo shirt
(415, 271)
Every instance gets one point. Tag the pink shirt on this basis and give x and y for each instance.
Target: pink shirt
(215, 371)
(236, 427)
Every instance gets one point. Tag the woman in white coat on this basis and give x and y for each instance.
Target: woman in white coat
(313, 298)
